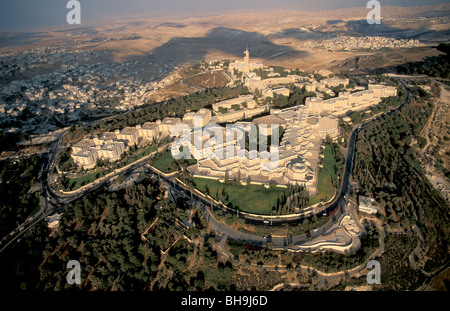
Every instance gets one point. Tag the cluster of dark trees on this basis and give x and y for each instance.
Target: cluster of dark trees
(19, 261)
(433, 66)
(388, 170)
(263, 279)
(17, 203)
(338, 162)
(397, 272)
(102, 232)
(297, 97)
(8, 141)
(211, 275)
(65, 161)
(297, 197)
(252, 253)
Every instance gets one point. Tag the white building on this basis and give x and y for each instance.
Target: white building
(350, 101)
(367, 205)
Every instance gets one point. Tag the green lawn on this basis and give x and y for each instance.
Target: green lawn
(164, 162)
(252, 198)
(327, 174)
(75, 183)
(167, 164)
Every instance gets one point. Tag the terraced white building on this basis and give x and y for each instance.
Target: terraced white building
(298, 152)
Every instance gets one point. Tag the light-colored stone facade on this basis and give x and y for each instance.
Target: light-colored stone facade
(111, 145)
(244, 66)
(350, 101)
(298, 152)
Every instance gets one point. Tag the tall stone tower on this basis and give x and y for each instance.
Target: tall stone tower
(247, 61)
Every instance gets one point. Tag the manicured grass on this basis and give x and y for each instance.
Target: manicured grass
(164, 162)
(167, 164)
(327, 174)
(252, 198)
(75, 183)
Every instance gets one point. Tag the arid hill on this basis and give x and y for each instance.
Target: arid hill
(273, 37)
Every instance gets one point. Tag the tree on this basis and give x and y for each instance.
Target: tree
(305, 223)
(355, 116)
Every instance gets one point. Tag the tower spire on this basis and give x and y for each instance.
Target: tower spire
(247, 61)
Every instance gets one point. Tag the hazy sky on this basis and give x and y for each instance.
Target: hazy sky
(33, 14)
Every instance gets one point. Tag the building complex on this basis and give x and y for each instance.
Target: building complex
(303, 129)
